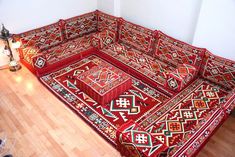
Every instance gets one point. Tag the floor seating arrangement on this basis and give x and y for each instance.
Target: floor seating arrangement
(145, 92)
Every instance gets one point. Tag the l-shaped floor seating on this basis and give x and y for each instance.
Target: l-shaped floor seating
(167, 64)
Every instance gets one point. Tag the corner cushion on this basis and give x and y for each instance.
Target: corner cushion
(106, 21)
(138, 37)
(103, 39)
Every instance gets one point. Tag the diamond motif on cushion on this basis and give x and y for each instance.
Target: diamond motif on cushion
(40, 62)
(214, 71)
(42, 40)
(108, 40)
(141, 59)
(172, 83)
(174, 55)
(72, 46)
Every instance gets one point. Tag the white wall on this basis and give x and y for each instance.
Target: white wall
(109, 6)
(175, 17)
(22, 15)
(106, 6)
(216, 27)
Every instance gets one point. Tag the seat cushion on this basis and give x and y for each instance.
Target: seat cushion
(68, 49)
(140, 62)
(188, 119)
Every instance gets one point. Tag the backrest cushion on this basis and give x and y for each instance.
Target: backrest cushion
(106, 21)
(136, 36)
(80, 25)
(175, 52)
(218, 70)
(42, 38)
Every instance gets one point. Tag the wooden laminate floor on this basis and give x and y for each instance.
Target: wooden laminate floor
(43, 126)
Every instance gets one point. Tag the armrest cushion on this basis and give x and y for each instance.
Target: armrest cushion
(133, 140)
(103, 39)
(180, 77)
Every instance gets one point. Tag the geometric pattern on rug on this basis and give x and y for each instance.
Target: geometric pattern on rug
(186, 115)
(136, 103)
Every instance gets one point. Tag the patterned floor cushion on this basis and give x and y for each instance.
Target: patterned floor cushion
(139, 37)
(104, 82)
(181, 77)
(68, 49)
(133, 140)
(140, 62)
(80, 25)
(175, 52)
(189, 118)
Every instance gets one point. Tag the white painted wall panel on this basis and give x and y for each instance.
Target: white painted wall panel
(22, 15)
(216, 27)
(106, 6)
(177, 18)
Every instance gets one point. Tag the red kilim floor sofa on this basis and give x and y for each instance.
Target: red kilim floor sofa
(168, 97)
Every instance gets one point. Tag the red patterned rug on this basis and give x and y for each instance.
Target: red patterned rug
(137, 103)
(183, 123)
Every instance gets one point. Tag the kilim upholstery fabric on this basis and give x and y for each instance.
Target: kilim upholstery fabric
(68, 49)
(179, 96)
(150, 67)
(104, 82)
(107, 22)
(133, 140)
(189, 118)
(80, 25)
(218, 70)
(136, 36)
(42, 38)
(103, 39)
(136, 103)
(28, 53)
(181, 76)
(176, 52)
